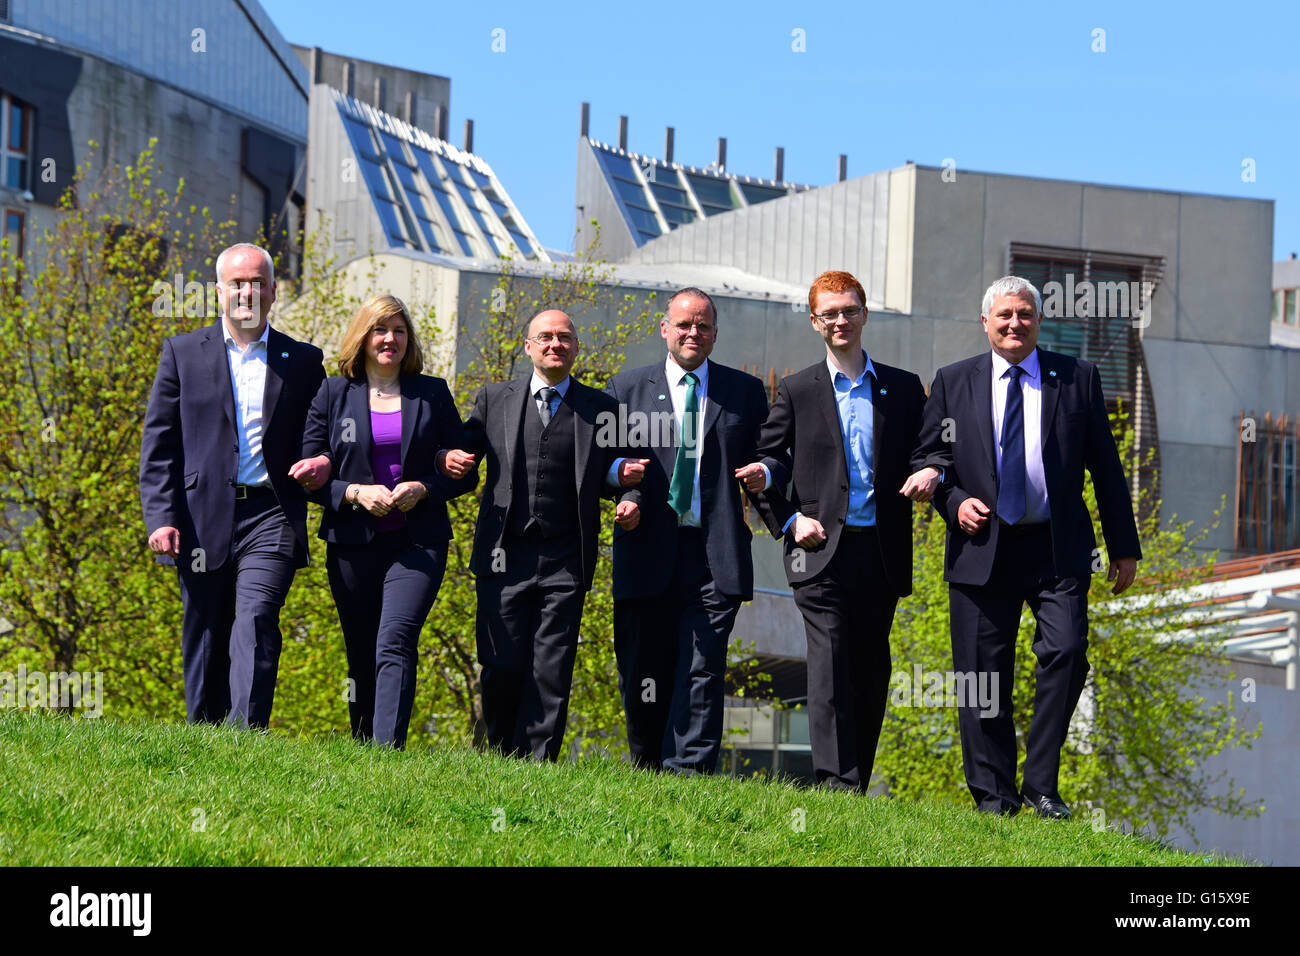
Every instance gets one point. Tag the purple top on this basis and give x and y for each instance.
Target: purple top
(386, 461)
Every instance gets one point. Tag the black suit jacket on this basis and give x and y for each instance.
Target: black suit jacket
(338, 425)
(189, 452)
(802, 442)
(495, 429)
(1075, 433)
(737, 405)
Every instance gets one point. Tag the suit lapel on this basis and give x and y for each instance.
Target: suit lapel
(277, 369)
(356, 405)
(825, 389)
(717, 389)
(214, 347)
(659, 400)
(878, 398)
(1051, 392)
(576, 397)
(410, 414)
(980, 399)
(513, 421)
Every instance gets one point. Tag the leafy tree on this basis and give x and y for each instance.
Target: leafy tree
(83, 314)
(1143, 729)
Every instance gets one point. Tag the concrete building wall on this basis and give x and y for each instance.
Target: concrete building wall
(239, 63)
(1266, 772)
(122, 111)
(429, 92)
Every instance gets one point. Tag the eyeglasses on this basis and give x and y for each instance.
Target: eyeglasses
(851, 313)
(546, 338)
(703, 328)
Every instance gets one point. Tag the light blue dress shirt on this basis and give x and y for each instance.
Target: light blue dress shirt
(857, 427)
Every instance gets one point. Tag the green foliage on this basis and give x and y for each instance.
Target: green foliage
(1144, 727)
(83, 317)
(112, 793)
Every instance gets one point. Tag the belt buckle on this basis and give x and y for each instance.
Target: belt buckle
(241, 492)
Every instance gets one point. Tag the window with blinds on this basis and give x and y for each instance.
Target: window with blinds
(1268, 482)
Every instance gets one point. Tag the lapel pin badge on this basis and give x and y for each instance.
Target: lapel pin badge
(662, 397)
(1052, 372)
(884, 391)
(286, 355)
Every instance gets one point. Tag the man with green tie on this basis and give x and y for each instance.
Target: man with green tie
(681, 574)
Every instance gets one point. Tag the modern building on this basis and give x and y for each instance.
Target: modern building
(213, 81)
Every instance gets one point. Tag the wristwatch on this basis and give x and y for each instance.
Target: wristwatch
(350, 495)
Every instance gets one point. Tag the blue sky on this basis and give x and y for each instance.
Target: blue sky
(1181, 96)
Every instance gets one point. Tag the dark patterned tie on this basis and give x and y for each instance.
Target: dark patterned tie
(1011, 493)
(547, 395)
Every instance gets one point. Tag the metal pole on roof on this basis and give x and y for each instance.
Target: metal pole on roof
(668, 145)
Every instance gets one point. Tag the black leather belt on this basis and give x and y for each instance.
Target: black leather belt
(859, 528)
(251, 491)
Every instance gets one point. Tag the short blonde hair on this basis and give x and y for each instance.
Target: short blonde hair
(352, 357)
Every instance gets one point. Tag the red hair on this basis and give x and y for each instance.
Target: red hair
(835, 282)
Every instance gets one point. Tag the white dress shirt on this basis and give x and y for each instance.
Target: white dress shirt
(248, 379)
(677, 390)
(1031, 393)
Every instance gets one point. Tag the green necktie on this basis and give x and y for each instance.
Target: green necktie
(682, 488)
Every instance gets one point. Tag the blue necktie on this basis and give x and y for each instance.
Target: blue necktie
(1011, 492)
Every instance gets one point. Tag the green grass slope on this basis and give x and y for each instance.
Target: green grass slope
(97, 792)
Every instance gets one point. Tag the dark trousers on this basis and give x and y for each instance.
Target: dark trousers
(383, 591)
(985, 620)
(527, 629)
(672, 658)
(847, 612)
(230, 631)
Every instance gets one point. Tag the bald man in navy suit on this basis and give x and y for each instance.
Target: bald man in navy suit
(221, 433)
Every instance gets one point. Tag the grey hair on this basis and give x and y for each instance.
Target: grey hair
(1011, 285)
(239, 247)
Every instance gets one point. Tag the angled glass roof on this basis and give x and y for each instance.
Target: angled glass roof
(657, 197)
(429, 195)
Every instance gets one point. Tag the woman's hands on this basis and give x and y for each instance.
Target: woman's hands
(379, 501)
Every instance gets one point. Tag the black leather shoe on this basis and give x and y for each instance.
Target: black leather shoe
(1046, 807)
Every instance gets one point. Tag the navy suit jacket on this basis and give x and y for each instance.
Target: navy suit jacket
(802, 444)
(189, 452)
(737, 405)
(338, 425)
(1075, 434)
(495, 429)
